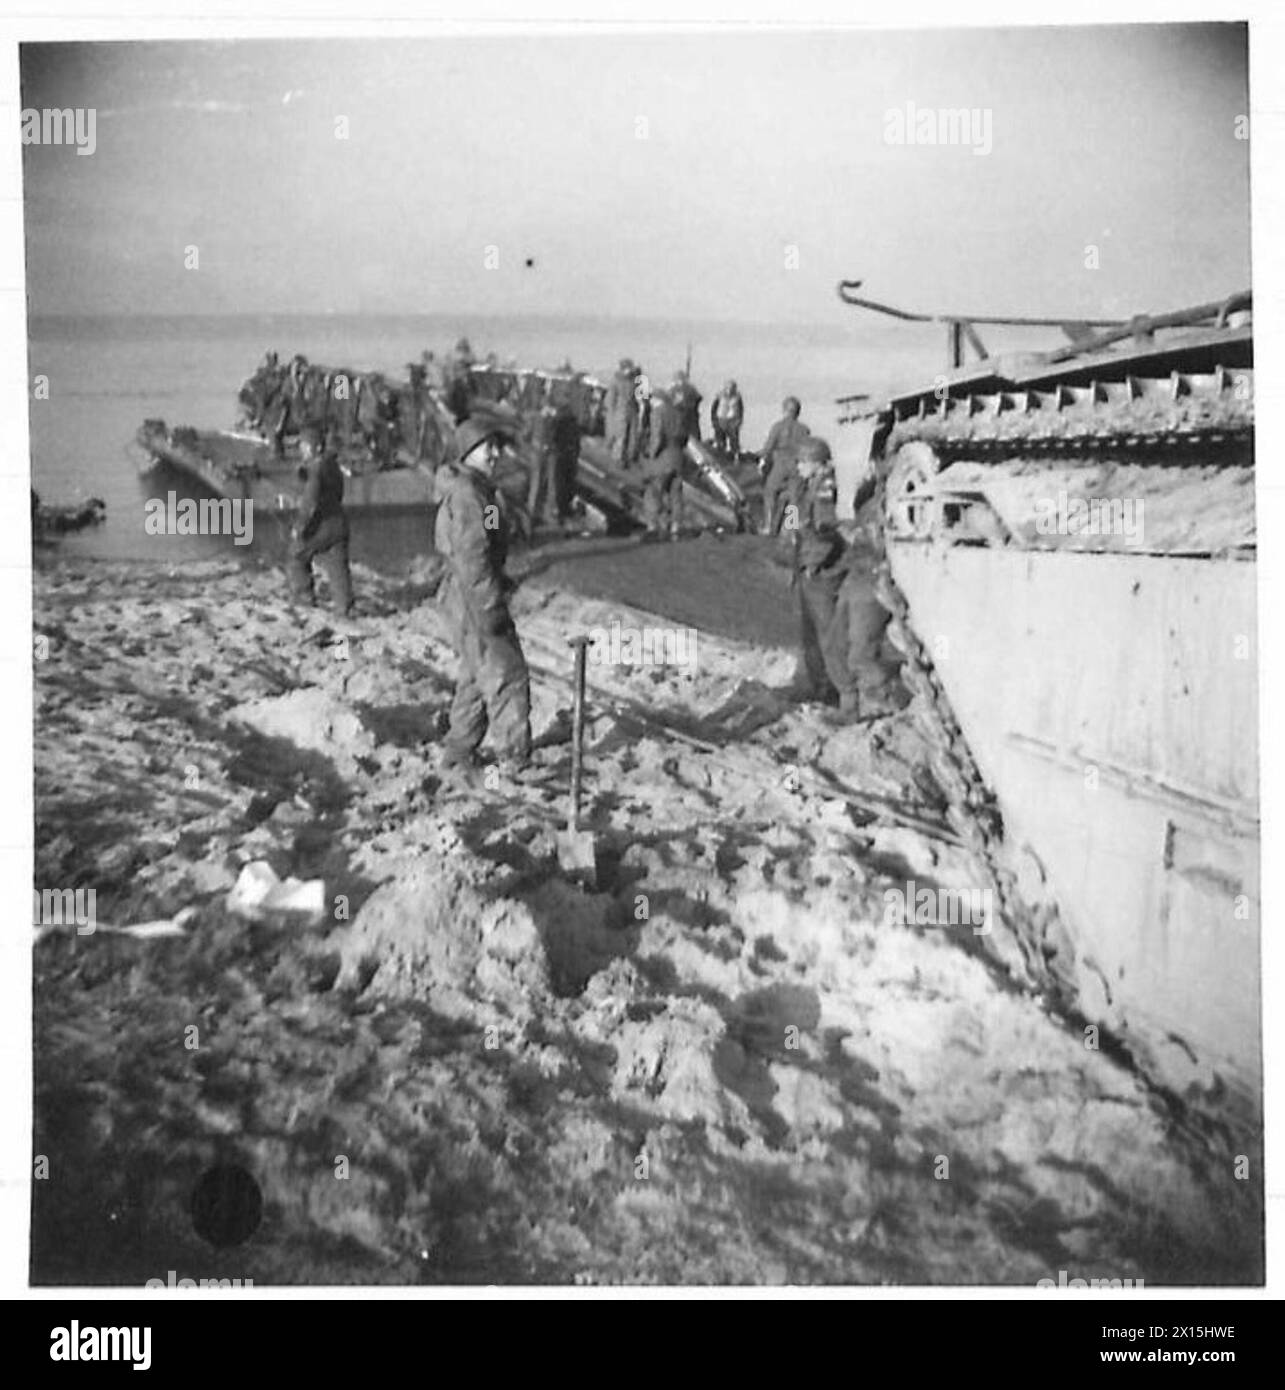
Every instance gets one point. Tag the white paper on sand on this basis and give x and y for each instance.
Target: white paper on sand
(259, 890)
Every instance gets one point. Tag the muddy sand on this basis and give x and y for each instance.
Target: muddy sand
(723, 1065)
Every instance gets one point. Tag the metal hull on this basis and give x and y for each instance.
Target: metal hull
(1111, 702)
(236, 465)
(242, 466)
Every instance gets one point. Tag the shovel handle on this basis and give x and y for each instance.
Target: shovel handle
(580, 644)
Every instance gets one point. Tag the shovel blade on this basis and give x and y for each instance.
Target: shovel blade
(577, 855)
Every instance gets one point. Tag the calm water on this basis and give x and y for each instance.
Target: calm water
(106, 375)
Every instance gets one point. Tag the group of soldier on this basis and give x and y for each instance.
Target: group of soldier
(841, 623)
(648, 429)
(634, 407)
(363, 411)
(284, 399)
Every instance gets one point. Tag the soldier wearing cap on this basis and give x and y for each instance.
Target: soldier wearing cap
(492, 690)
(321, 530)
(663, 499)
(776, 461)
(820, 567)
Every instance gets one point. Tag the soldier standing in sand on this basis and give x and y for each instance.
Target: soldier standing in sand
(321, 531)
(860, 618)
(471, 534)
(776, 462)
(820, 568)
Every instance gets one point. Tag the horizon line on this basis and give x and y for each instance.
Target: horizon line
(539, 315)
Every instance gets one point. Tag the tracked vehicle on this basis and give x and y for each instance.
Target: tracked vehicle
(1069, 559)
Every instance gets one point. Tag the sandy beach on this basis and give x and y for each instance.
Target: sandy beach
(724, 1065)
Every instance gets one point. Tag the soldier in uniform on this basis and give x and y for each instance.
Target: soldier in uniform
(622, 413)
(411, 410)
(858, 613)
(687, 400)
(341, 397)
(663, 500)
(375, 418)
(820, 568)
(471, 534)
(640, 443)
(776, 462)
(321, 531)
(312, 399)
(566, 452)
(281, 408)
(541, 444)
(458, 381)
(726, 416)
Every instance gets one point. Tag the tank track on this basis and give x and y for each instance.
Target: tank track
(1156, 422)
(971, 809)
(1183, 416)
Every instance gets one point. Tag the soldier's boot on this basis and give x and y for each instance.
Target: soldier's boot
(299, 580)
(467, 721)
(335, 562)
(848, 711)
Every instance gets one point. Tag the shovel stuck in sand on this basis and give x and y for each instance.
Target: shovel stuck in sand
(577, 852)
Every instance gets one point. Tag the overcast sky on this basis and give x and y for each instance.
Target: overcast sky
(643, 175)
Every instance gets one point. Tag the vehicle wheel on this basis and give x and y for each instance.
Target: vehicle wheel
(910, 502)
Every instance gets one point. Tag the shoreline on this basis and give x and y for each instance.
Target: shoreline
(723, 1066)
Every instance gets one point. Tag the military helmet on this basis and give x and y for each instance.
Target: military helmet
(815, 450)
(473, 433)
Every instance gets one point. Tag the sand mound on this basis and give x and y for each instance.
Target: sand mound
(310, 719)
(433, 933)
